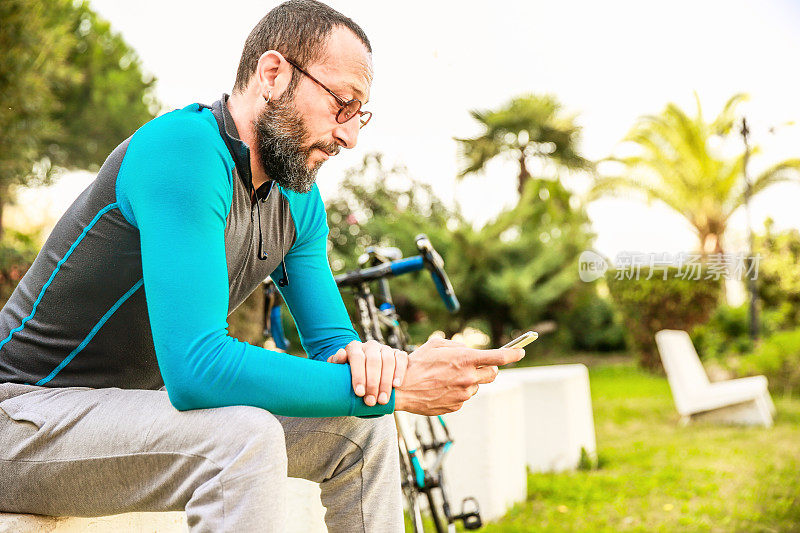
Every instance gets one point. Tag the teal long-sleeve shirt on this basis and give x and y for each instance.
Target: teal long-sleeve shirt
(182, 224)
(181, 198)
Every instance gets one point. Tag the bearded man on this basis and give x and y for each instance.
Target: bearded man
(120, 387)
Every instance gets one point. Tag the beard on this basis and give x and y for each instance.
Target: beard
(280, 136)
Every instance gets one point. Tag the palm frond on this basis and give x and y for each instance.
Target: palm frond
(727, 117)
(476, 153)
(785, 171)
(622, 186)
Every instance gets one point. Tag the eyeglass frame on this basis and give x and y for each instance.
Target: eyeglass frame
(339, 100)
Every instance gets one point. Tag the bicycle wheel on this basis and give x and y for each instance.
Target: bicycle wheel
(437, 513)
(410, 494)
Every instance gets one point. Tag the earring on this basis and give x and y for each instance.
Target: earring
(268, 97)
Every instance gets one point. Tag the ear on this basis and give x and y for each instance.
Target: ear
(273, 74)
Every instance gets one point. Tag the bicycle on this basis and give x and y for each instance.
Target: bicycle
(422, 449)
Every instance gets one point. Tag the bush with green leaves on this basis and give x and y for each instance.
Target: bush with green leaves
(779, 275)
(17, 252)
(590, 323)
(778, 358)
(727, 332)
(666, 301)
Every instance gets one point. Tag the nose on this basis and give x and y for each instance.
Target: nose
(346, 134)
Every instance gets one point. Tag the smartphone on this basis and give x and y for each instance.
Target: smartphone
(523, 340)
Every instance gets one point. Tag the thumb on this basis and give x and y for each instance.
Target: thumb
(338, 357)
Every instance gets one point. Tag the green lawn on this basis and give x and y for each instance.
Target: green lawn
(657, 476)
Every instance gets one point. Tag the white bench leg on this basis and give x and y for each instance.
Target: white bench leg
(752, 413)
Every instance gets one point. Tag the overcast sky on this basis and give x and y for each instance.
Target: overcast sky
(608, 61)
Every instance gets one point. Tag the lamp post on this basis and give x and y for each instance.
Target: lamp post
(748, 190)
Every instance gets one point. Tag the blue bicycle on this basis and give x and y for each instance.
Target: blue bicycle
(423, 441)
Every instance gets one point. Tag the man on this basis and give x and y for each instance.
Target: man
(120, 387)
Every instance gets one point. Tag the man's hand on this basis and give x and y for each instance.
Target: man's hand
(375, 368)
(443, 374)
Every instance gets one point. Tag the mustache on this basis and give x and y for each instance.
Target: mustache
(329, 148)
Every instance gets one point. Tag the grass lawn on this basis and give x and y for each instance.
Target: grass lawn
(657, 476)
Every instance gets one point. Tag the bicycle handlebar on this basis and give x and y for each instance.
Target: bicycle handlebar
(429, 259)
(435, 264)
(410, 264)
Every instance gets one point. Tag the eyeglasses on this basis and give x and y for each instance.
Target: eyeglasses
(347, 109)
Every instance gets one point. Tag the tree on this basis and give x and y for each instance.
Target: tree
(528, 127)
(72, 90)
(380, 205)
(520, 266)
(507, 275)
(109, 98)
(676, 163)
(32, 55)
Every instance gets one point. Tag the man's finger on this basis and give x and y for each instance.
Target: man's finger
(356, 357)
(339, 357)
(401, 363)
(373, 370)
(486, 374)
(498, 357)
(387, 374)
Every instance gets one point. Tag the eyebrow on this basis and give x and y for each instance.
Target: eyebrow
(356, 92)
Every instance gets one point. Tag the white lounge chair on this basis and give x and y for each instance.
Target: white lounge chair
(738, 401)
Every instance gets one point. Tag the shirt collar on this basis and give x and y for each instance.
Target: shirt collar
(238, 149)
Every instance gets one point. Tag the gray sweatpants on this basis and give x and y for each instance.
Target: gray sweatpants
(78, 451)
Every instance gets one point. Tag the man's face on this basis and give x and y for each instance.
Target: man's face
(297, 132)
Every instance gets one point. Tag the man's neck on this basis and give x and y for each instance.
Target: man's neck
(243, 114)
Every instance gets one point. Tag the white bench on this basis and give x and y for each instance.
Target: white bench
(172, 522)
(737, 401)
(558, 417)
(487, 459)
(304, 514)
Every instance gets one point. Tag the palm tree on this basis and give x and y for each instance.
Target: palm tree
(529, 126)
(676, 163)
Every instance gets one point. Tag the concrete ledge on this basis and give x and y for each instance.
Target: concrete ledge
(304, 514)
(487, 460)
(558, 416)
(304, 510)
(172, 522)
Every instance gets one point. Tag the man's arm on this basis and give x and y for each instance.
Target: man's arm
(175, 187)
(317, 308)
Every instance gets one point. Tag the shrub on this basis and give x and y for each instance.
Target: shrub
(17, 252)
(727, 332)
(778, 358)
(591, 324)
(649, 305)
(779, 274)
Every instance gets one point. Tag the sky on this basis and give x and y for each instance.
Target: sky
(609, 62)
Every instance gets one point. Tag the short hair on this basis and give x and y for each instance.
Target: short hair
(298, 29)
